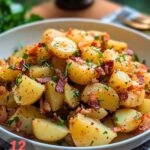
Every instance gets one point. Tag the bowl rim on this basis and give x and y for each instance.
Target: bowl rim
(42, 144)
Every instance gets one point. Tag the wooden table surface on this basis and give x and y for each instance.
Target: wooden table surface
(97, 10)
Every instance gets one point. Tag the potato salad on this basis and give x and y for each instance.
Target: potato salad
(75, 88)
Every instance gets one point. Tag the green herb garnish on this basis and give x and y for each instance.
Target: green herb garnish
(106, 87)
(96, 37)
(105, 132)
(27, 66)
(60, 121)
(76, 53)
(54, 78)
(10, 122)
(89, 63)
(115, 118)
(67, 67)
(91, 143)
(11, 67)
(25, 56)
(76, 93)
(18, 80)
(135, 57)
(100, 101)
(44, 62)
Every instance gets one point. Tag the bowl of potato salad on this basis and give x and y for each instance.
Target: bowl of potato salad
(75, 84)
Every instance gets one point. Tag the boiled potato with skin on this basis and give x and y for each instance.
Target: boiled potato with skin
(58, 63)
(62, 47)
(40, 71)
(80, 73)
(144, 108)
(98, 114)
(50, 34)
(92, 54)
(71, 95)
(147, 80)
(28, 91)
(134, 99)
(55, 99)
(108, 96)
(79, 36)
(120, 81)
(48, 131)
(25, 115)
(7, 74)
(89, 132)
(6, 97)
(128, 119)
(117, 45)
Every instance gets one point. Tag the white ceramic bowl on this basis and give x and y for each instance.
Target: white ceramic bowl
(31, 33)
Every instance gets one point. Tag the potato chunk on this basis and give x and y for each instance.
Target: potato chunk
(145, 107)
(127, 119)
(108, 97)
(48, 131)
(28, 91)
(120, 81)
(71, 96)
(40, 71)
(89, 132)
(24, 115)
(55, 99)
(134, 99)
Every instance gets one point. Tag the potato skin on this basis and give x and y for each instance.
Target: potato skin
(109, 97)
(134, 99)
(76, 71)
(28, 91)
(50, 34)
(40, 71)
(51, 133)
(120, 81)
(55, 99)
(25, 115)
(117, 45)
(144, 107)
(128, 119)
(89, 132)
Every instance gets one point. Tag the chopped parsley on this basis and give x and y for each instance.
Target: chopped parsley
(18, 80)
(137, 117)
(86, 115)
(100, 101)
(144, 61)
(67, 67)
(76, 93)
(105, 132)
(7, 98)
(54, 78)
(106, 87)
(25, 56)
(121, 58)
(11, 67)
(45, 47)
(27, 66)
(76, 53)
(96, 36)
(135, 57)
(60, 121)
(91, 143)
(98, 50)
(115, 118)
(10, 122)
(89, 63)
(44, 62)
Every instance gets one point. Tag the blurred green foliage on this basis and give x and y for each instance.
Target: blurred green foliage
(14, 14)
(141, 5)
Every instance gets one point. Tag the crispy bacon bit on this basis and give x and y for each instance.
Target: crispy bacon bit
(129, 52)
(44, 106)
(33, 49)
(123, 96)
(43, 80)
(92, 102)
(3, 114)
(69, 32)
(145, 125)
(118, 129)
(147, 94)
(78, 60)
(60, 86)
(108, 67)
(96, 44)
(11, 111)
(100, 71)
(135, 88)
(141, 79)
